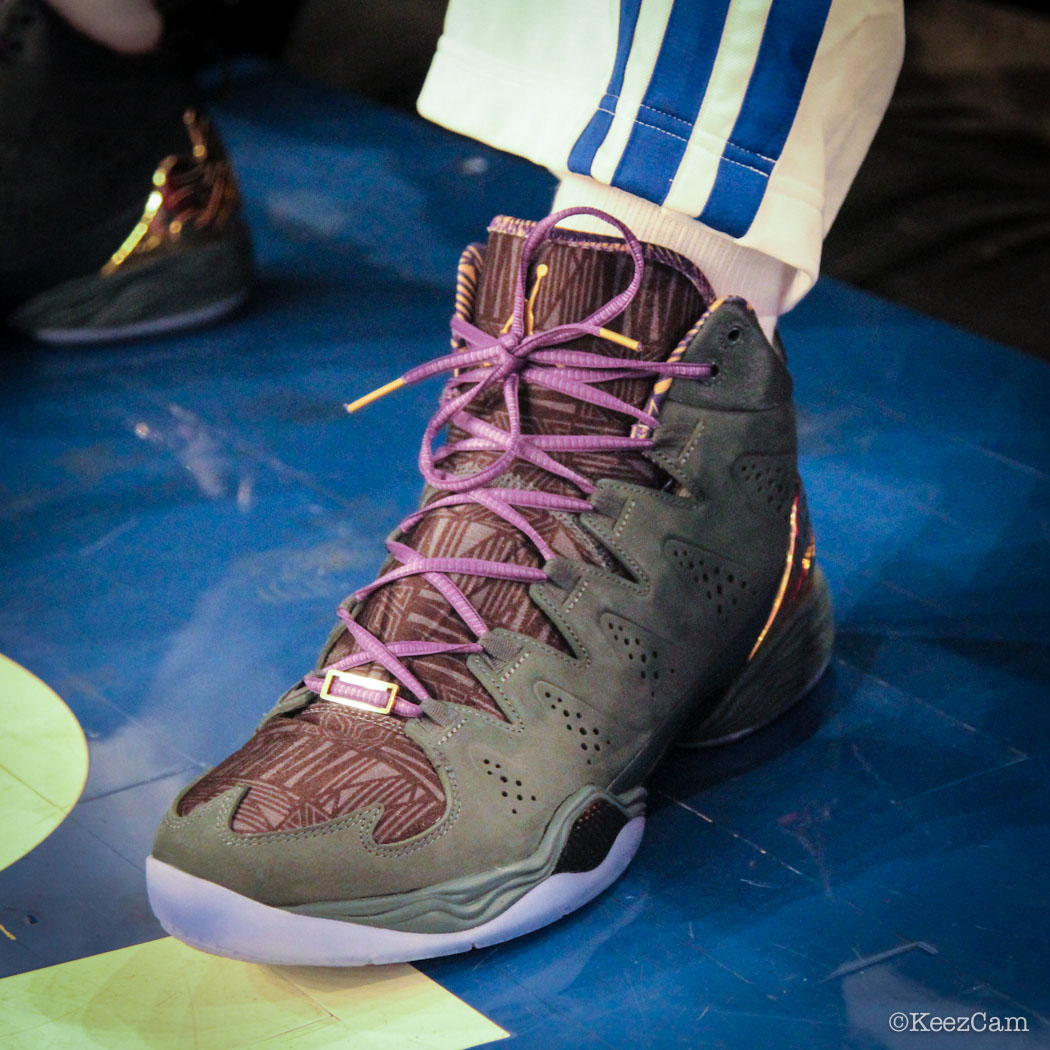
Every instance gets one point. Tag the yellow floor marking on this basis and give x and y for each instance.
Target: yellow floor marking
(43, 761)
(163, 995)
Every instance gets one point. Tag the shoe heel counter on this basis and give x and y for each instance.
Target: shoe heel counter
(790, 652)
(732, 444)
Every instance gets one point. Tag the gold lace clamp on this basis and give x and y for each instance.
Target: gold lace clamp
(372, 684)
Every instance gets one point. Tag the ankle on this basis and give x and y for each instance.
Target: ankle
(731, 268)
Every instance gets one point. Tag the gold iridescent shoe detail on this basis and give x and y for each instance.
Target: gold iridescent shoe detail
(194, 192)
(789, 565)
(130, 223)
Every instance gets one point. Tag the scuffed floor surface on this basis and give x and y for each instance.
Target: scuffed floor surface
(178, 520)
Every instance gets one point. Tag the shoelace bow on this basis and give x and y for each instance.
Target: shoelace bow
(508, 359)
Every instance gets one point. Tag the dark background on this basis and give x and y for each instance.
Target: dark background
(950, 213)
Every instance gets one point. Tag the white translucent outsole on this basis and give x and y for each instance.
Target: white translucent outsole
(217, 920)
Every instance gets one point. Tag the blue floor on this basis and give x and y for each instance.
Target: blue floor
(179, 518)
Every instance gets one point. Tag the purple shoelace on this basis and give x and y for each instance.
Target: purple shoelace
(509, 359)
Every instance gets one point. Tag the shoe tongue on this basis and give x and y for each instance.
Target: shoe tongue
(585, 271)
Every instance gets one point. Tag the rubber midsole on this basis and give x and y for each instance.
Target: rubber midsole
(140, 329)
(463, 903)
(215, 919)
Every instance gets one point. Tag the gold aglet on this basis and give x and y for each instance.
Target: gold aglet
(530, 317)
(622, 340)
(387, 388)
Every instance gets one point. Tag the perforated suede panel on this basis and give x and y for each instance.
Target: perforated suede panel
(643, 652)
(770, 481)
(721, 584)
(581, 723)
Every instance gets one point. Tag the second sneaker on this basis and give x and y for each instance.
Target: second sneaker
(119, 210)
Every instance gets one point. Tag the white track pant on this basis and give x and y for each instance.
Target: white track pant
(750, 117)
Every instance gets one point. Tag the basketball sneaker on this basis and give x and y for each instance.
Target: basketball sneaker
(612, 553)
(119, 211)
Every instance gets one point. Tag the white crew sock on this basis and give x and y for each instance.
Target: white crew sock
(731, 268)
(131, 26)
